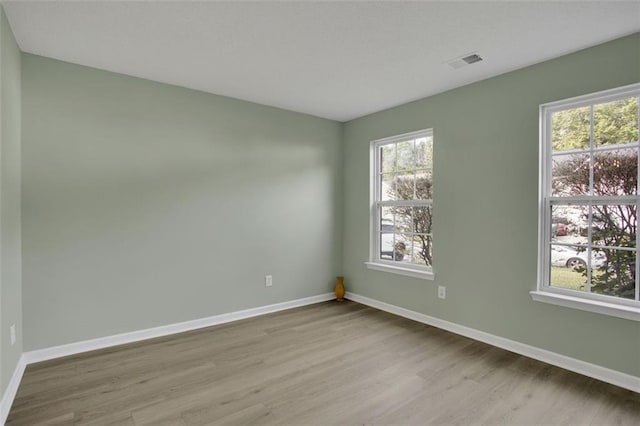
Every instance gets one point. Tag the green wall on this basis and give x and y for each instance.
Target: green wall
(485, 206)
(10, 249)
(146, 204)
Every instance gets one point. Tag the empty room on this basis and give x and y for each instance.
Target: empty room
(319, 212)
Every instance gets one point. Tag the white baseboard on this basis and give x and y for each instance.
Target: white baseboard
(165, 330)
(139, 335)
(12, 389)
(608, 375)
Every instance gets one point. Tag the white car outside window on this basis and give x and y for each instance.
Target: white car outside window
(568, 257)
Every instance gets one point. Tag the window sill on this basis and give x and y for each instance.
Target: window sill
(611, 309)
(425, 275)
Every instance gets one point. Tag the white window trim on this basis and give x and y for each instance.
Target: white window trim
(606, 305)
(582, 304)
(374, 262)
(408, 272)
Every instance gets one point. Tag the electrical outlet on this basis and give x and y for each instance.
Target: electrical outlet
(442, 292)
(268, 280)
(12, 332)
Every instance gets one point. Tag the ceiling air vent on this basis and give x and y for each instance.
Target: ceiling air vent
(465, 60)
(472, 59)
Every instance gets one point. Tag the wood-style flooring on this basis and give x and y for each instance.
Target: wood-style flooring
(324, 364)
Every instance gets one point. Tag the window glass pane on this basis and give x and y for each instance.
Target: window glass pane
(422, 250)
(424, 153)
(403, 249)
(387, 229)
(567, 278)
(571, 257)
(424, 185)
(386, 219)
(614, 225)
(404, 219)
(405, 158)
(570, 175)
(405, 186)
(571, 129)
(568, 267)
(388, 187)
(615, 273)
(422, 218)
(386, 246)
(569, 224)
(388, 158)
(616, 122)
(616, 172)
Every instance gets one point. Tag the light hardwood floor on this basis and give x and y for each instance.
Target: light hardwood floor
(329, 363)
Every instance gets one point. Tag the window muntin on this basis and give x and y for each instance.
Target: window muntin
(402, 201)
(589, 197)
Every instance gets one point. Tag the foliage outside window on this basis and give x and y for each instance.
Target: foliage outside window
(402, 202)
(590, 197)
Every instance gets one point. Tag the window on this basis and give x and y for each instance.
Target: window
(588, 256)
(402, 204)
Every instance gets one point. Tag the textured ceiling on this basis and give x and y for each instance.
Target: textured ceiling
(338, 60)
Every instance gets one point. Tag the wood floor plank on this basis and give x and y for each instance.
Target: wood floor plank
(328, 363)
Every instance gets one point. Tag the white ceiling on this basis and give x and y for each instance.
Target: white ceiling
(338, 60)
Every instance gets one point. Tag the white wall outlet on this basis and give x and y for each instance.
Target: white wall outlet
(12, 332)
(268, 280)
(442, 292)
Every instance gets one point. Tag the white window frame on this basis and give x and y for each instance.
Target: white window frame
(592, 302)
(375, 261)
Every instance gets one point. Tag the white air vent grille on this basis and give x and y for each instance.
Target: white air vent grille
(472, 59)
(463, 61)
